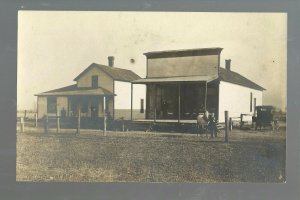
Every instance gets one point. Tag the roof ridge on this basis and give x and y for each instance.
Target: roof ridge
(115, 73)
(254, 85)
(181, 50)
(112, 67)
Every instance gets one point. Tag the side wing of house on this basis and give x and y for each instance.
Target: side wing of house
(122, 106)
(237, 100)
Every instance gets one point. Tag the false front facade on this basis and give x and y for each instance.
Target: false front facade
(183, 83)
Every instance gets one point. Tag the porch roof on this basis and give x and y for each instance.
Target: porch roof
(175, 79)
(73, 90)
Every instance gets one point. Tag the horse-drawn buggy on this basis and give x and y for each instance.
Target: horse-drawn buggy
(264, 117)
(207, 123)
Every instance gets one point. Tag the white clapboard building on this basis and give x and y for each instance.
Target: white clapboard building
(183, 83)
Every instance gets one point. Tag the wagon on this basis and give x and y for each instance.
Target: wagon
(264, 117)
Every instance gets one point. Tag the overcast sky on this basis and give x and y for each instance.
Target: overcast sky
(54, 47)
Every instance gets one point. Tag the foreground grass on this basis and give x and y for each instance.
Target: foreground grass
(248, 157)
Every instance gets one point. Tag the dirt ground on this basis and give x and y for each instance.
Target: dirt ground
(250, 156)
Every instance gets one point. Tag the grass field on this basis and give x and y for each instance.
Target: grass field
(250, 156)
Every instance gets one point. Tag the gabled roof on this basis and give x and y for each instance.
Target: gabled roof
(114, 72)
(233, 77)
(73, 90)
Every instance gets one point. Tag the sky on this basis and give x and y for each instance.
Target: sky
(55, 46)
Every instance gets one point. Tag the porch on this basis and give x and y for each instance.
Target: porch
(179, 99)
(70, 101)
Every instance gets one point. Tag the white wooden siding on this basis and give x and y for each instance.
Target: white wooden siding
(236, 99)
(123, 100)
(42, 106)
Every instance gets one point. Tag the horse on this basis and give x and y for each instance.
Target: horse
(202, 121)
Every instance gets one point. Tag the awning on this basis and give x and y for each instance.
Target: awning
(175, 79)
(73, 90)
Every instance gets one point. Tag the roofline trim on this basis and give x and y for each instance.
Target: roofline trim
(262, 89)
(182, 51)
(96, 65)
(86, 69)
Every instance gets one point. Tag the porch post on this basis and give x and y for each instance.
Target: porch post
(69, 107)
(89, 107)
(57, 121)
(205, 96)
(36, 120)
(131, 101)
(179, 103)
(78, 117)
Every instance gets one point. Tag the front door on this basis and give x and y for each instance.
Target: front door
(94, 107)
(167, 101)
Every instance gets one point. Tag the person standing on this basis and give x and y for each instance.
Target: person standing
(165, 108)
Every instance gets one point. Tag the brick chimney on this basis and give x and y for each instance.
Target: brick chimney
(227, 64)
(111, 61)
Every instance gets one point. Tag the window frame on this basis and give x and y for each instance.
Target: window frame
(95, 81)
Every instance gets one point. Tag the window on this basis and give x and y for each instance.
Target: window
(94, 81)
(51, 104)
(142, 106)
(251, 101)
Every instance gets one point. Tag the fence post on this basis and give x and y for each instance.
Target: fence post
(154, 115)
(46, 124)
(226, 126)
(104, 126)
(230, 124)
(57, 123)
(36, 120)
(104, 116)
(22, 125)
(123, 125)
(78, 118)
(241, 122)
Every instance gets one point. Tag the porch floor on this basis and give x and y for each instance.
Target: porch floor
(183, 121)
